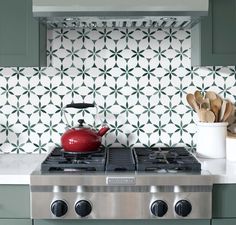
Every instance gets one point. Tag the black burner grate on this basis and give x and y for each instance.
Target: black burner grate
(120, 159)
(169, 159)
(166, 158)
(58, 160)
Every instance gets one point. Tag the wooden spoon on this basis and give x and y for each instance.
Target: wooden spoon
(206, 116)
(191, 101)
(215, 107)
(209, 116)
(205, 104)
(211, 95)
(198, 97)
(222, 110)
(216, 111)
(202, 115)
(228, 111)
(216, 102)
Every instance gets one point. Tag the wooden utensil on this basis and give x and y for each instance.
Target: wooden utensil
(216, 111)
(205, 104)
(222, 110)
(191, 101)
(211, 95)
(217, 102)
(202, 115)
(206, 116)
(209, 116)
(215, 105)
(228, 111)
(198, 97)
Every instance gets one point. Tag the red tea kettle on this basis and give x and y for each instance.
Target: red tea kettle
(82, 139)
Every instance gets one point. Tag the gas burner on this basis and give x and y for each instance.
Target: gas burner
(58, 160)
(171, 159)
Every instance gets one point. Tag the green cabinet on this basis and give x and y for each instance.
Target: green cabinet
(22, 38)
(15, 222)
(14, 201)
(223, 204)
(122, 222)
(14, 205)
(223, 201)
(223, 222)
(214, 38)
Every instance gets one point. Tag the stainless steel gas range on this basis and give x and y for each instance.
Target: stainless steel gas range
(121, 183)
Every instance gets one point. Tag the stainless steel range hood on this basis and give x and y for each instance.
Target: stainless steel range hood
(120, 13)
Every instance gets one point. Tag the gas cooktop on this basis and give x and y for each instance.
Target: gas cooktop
(121, 183)
(160, 159)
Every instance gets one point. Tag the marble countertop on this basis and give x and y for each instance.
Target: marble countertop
(223, 171)
(16, 168)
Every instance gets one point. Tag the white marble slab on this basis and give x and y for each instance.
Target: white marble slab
(16, 168)
(223, 171)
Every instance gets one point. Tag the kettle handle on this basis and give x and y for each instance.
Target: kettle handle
(80, 105)
(77, 106)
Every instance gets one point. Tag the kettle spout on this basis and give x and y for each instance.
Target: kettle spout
(103, 130)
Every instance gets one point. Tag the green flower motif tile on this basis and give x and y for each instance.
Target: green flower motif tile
(138, 79)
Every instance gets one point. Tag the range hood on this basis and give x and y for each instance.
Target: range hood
(120, 13)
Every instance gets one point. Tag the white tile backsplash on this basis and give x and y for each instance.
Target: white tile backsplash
(137, 78)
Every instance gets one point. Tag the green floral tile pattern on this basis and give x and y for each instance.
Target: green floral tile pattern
(138, 79)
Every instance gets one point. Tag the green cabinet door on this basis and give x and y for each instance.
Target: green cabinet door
(223, 201)
(223, 222)
(14, 201)
(15, 222)
(22, 38)
(214, 38)
(122, 222)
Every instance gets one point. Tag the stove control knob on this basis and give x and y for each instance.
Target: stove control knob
(183, 208)
(159, 208)
(83, 208)
(59, 208)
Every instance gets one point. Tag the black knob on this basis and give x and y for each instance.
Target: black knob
(83, 208)
(59, 208)
(183, 208)
(159, 208)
